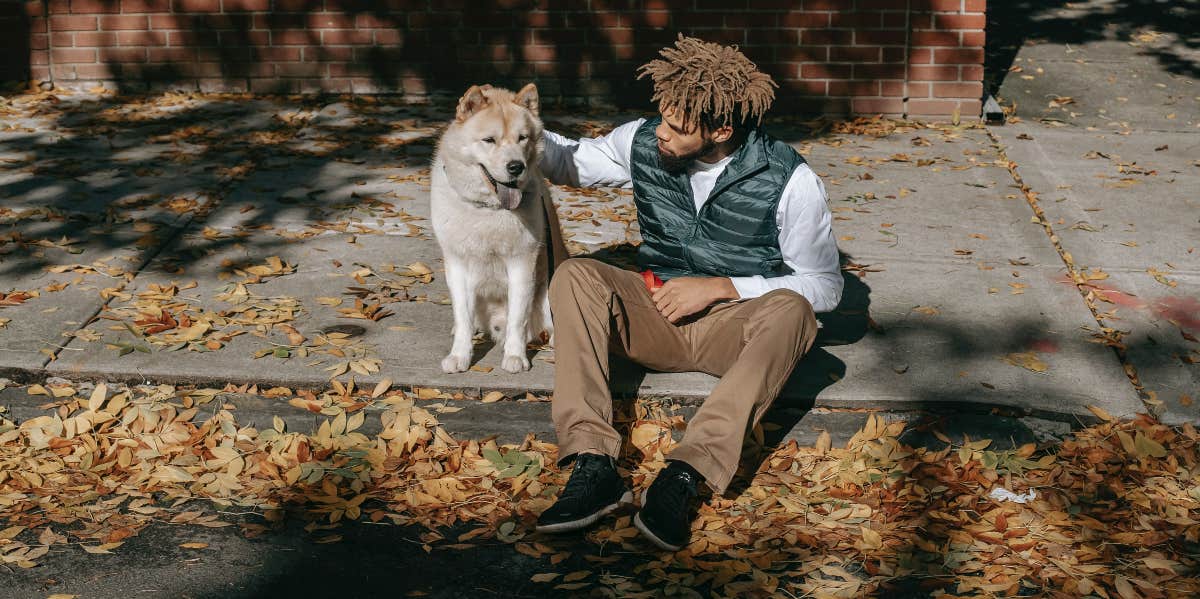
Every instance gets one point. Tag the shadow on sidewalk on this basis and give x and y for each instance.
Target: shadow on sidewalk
(1014, 24)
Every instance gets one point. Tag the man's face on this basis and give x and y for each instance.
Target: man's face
(680, 144)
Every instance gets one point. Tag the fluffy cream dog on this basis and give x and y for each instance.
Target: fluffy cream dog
(492, 215)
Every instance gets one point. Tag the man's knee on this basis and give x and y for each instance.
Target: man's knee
(786, 309)
(570, 274)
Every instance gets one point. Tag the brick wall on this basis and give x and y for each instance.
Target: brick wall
(896, 57)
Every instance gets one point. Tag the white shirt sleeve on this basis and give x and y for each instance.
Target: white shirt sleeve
(807, 243)
(590, 162)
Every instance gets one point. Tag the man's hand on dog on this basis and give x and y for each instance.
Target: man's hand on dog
(681, 297)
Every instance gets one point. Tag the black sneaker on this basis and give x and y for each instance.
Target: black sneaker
(594, 489)
(665, 517)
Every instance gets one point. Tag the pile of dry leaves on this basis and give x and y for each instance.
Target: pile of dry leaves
(1111, 511)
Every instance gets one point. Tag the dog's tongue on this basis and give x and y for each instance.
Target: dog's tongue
(510, 197)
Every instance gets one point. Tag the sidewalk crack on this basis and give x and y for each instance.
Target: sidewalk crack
(1111, 335)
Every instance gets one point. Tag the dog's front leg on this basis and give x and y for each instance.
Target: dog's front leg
(462, 298)
(520, 303)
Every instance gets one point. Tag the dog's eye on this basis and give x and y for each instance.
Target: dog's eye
(523, 138)
(490, 140)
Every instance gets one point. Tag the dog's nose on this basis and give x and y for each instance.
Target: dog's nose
(515, 168)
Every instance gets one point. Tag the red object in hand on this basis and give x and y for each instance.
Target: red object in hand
(652, 280)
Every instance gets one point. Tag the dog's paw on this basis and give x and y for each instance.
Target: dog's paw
(515, 363)
(453, 363)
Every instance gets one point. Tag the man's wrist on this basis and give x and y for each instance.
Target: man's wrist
(725, 290)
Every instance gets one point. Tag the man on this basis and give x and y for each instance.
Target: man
(737, 225)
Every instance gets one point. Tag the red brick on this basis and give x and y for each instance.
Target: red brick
(61, 72)
(280, 54)
(944, 22)
(752, 20)
(330, 20)
(926, 107)
(699, 19)
(39, 58)
(958, 56)
(212, 6)
(658, 19)
(825, 71)
(536, 53)
(245, 5)
(142, 6)
(238, 38)
(167, 22)
(388, 37)
(325, 53)
(72, 23)
(33, 9)
(177, 55)
(802, 54)
(943, 5)
(76, 55)
(891, 88)
(39, 73)
(975, 5)
(877, 105)
(61, 40)
(293, 38)
(93, 7)
(895, 20)
(918, 89)
(39, 42)
(300, 69)
(894, 54)
(920, 56)
(95, 39)
(342, 37)
(880, 38)
(276, 21)
(822, 37)
(805, 19)
(823, 4)
(920, 21)
(124, 55)
(958, 90)
(856, 87)
(934, 38)
(124, 22)
(971, 73)
(621, 35)
(932, 73)
(878, 71)
(854, 54)
(857, 20)
(142, 38)
(94, 71)
(974, 39)
(772, 37)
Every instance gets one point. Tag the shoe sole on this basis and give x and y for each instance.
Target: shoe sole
(645, 530)
(586, 521)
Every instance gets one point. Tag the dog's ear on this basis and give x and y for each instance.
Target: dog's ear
(528, 97)
(473, 101)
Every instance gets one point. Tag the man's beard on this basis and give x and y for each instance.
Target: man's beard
(677, 165)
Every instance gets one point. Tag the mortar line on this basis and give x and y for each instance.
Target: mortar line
(141, 267)
(1076, 277)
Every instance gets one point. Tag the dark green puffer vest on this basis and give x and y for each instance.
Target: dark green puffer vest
(734, 234)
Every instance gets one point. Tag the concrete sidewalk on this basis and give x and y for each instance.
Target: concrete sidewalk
(246, 220)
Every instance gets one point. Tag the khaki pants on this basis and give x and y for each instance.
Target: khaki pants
(752, 345)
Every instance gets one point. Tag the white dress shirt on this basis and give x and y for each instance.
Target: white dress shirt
(803, 218)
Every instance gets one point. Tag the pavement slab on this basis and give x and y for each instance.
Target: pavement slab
(1125, 208)
(954, 298)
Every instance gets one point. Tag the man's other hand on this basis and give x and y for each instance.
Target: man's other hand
(679, 298)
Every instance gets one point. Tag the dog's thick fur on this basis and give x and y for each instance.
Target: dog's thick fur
(490, 207)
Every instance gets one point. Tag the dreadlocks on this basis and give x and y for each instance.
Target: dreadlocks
(708, 82)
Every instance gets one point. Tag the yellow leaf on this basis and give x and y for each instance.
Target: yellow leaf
(193, 545)
(1027, 360)
(329, 301)
(96, 401)
(824, 442)
(579, 575)
(492, 397)
(1101, 413)
(546, 577)
(871, 539)
(381, 388)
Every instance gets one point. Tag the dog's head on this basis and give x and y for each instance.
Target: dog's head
(500, 132)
